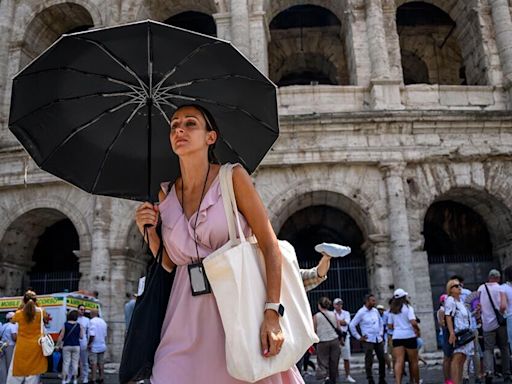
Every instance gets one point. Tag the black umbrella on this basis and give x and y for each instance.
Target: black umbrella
(94, 108)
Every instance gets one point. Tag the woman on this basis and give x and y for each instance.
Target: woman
(406, 331)
(192, 348)
(28, 361)
(457, 319)
(70, 336)
(328, 349)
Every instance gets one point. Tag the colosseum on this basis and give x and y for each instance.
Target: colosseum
(396, 139)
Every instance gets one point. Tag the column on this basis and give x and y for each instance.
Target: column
(260, 36)
(118, 274)
(100, 255)
(384, 91)
(240, 26)
(503, 27)
(380, 272)
(7, 11)
(401, 253)
(223, 22)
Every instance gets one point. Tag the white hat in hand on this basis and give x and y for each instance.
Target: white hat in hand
(333, 250)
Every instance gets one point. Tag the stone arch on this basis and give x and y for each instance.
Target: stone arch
(313, 191)
(21, 235)
(274, 7)
(161, 10)
(195, 21)
(38, 30)
(483, 187)
(308, 49)
(426, 34)
(467, 38)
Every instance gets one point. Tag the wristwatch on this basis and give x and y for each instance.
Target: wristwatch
(277, 307)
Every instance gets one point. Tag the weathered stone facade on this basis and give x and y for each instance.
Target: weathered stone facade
(379, 150)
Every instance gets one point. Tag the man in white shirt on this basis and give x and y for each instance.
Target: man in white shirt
(370, 322)
(84, 358)
(492, 294)
(97, 345)
(343, 318)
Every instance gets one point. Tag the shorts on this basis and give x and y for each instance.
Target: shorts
(447, 348)
(345, 350)
(410, 343)
(96, 358)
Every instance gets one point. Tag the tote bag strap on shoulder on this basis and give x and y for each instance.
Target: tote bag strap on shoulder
(230, 206)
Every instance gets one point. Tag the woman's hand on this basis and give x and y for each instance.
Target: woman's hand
(271, 335)
(147, 214)
(452, 339)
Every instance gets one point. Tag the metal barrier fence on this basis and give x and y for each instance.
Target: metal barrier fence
(51, 282)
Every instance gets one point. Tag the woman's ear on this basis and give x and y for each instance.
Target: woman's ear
(212, 137)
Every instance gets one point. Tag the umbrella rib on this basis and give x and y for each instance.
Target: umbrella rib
(84, 126)
(135, 96)
(134, 87)
(224, 105)
(125, 66)
(220, 77)
(113, 142)
(230, 147)
(183, 61)
(157, 104)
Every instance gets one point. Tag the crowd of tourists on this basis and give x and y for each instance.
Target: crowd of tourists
(81, 343)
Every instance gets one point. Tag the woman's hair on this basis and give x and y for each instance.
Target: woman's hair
(211, 125)
(72, 315)
(29, 305)
(397, 304)
(324, 302)
(449, 284)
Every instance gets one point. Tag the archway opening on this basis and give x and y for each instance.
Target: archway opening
(427, 36)
(457, 242)
(38, 251)
(55, 265)
(306, 47)
(347, 277)
(194, 21)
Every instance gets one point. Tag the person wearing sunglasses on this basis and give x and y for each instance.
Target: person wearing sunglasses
(457, 319)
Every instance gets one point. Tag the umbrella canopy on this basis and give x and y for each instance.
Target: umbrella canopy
(94, 108)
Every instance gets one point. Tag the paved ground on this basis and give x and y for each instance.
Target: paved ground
(430, 374)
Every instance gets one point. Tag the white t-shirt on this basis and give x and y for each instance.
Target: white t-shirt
(489, 321)
(7, 332)
(402, 327)
(84, 322)
(98, 329)
(507, 288)
(344, 315)
(459, 312)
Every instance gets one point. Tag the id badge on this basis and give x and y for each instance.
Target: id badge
(198, 281)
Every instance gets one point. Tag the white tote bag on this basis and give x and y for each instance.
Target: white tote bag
(45, 341)
(236, 273)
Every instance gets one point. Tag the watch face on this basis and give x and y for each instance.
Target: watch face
(281, 310)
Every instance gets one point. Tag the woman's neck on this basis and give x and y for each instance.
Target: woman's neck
(193, 171)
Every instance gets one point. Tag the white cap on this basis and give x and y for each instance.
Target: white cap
(399, 293)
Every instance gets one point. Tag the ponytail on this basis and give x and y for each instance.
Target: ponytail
(29, 307)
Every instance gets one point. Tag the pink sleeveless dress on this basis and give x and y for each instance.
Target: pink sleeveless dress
(192, 348)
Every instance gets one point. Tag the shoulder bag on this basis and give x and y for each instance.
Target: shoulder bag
(236, 273)
(464, 336)
(143, 334)
(45, 341)
(501, 319)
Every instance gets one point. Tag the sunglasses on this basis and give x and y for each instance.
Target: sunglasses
(455, 286)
